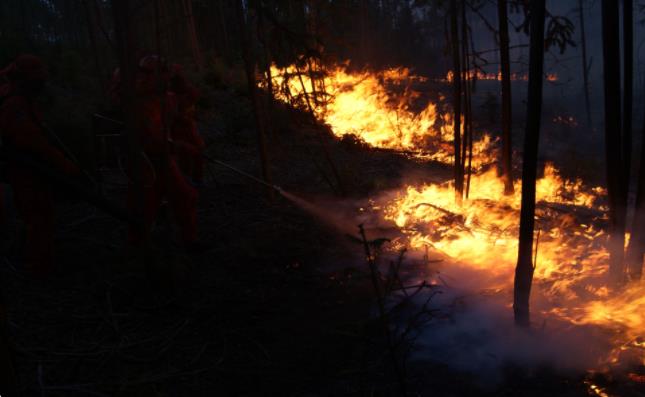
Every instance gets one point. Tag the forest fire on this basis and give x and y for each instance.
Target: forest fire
(481, 233)
(380, 108)
(322, 197)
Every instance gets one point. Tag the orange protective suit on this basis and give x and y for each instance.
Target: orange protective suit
(160, 173)
(20, 124)
(184, 128)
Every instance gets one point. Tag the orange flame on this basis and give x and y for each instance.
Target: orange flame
(380, 109)
(481, 233)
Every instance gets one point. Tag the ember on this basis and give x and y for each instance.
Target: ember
(479, 75)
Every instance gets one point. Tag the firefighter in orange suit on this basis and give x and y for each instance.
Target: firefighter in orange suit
(160, 173)
(184, 127)
(22, 132)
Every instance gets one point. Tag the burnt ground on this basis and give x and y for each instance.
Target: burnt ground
(281, 303)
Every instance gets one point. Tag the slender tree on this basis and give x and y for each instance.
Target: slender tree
(193, 40)
(505, 67)
(613, 147)
(243, 15)
(126, 50)
(525, 266)
(262, 38)
(469, 84)
(636, 247)
(585, 64)
(628, 70)
(91, 30)
(8, 379)
(456, 81)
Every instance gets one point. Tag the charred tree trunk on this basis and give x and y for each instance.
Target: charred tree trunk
(193, 40)
(456, 82)
(93, 43)
(249, 65)
(467, 95)
(525, 266)
(126, 50)
(613, 146)
(226, 50)
(8, 379)
(636, 248)
(628, 69)
(585, 65)
(505, 63)
(363, 25)
(270, 105)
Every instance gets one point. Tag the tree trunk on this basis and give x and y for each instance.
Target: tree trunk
(524, 269)
(270, 105)
(126, 51)
(193, 40)
(8, 379)
(628, 69)
(223, 30)
(636, 247)
(93, 43)
(505, 63)
(363, 31)
(613, 146)
(456, 83)
(249, 64)
(467, 95)
(585, 65)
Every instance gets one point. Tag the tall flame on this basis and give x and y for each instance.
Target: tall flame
(380, 108)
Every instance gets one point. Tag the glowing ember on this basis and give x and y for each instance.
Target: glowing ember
(479, 75)
(566, 120)
(595, 390)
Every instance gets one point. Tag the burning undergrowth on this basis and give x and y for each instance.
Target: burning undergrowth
(579, 322)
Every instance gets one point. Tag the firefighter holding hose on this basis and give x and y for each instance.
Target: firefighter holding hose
(161, 174)
(22, 131)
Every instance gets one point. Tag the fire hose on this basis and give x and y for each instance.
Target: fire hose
(211, 160)
(240, 172)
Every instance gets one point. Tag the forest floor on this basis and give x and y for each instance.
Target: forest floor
(280, 304)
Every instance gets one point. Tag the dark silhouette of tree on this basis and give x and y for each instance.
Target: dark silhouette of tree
(457, 91)
(505, 67)
(243, 15)
(525, 266)
(126, 54)
(628, 89)
(636, 247)
(585, 65)
(616, 184)
(8, 379)
(193, 40)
